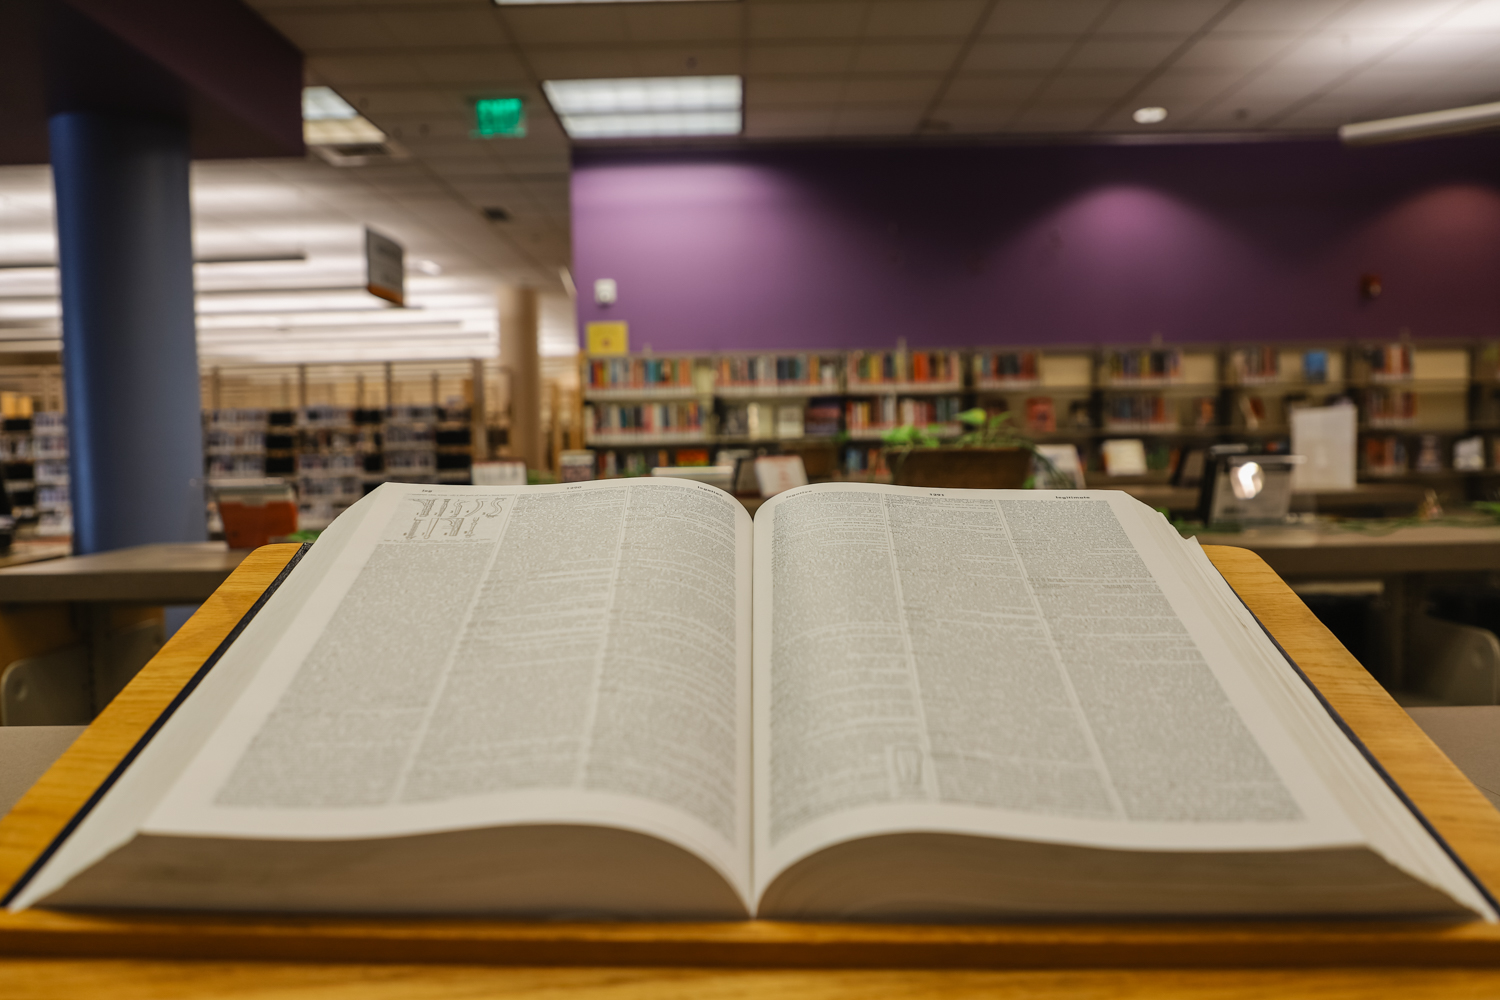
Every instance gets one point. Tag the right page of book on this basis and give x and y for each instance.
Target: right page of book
(1024, 664)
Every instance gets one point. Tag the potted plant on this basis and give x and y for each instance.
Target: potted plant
(991, 454)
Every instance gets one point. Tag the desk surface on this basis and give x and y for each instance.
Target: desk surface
(1327, 551)
(184, 573)
(774, 959)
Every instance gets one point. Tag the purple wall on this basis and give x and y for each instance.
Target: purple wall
(853, 247)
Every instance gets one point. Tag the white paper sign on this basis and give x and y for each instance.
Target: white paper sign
(779, 473)
(385, 268)
(1325, 437)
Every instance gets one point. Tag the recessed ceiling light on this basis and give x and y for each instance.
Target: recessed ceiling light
(1149, 116)
(648, 106)
(430, 267)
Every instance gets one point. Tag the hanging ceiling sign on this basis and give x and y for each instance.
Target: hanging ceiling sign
(385, 267)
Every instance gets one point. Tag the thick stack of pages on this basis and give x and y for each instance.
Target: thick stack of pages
(625, 699)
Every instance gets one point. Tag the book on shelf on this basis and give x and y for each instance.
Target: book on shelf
(1391, 407)
(1143, 364)
(1315, 366)
(1041, 415)
(640, 373)
(1249, 365)
(824, 416)
(1385, 455)
(627, 699)
(865, 415)
(644, 418)
(1389, 362)
(876, 368)
(1429, 453)
(998, 368)
(776, 370)
(1138, 411)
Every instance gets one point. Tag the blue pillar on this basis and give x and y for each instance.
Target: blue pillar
(130, 357)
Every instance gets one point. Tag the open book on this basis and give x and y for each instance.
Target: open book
(624, 698)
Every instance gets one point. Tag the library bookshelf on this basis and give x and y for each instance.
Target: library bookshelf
(1429, 410)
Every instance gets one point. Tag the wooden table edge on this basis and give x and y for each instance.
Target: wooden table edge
(1454, 806)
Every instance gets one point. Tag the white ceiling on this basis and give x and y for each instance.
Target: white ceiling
(826, 69)
(314, 309)
(910, 70)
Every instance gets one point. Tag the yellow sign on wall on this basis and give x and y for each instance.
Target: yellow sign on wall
(608, 338)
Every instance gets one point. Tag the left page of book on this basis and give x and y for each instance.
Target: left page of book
(474, 657)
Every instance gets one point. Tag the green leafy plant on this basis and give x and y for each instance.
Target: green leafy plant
(985, 430)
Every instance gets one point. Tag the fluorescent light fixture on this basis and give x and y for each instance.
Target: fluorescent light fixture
(648, 106)
(320, 104)
(1149, 116)
(1427, 125)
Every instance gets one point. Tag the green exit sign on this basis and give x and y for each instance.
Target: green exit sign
(499, 116)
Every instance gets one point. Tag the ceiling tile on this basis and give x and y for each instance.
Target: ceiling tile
(868, 90)
(377, 101)
(1161, 15)
(566, 24)
(799, 19)
(771, 91)
(1447, 49)
(800, 58)
(1482, 15)
(332, 31)
(1329, 53)
(1237, 51)
(1115, 53)
(1002, 89)
(1043, 17)
(1189, 87)
(1015, 55)
(968, 118)
(1391, 17)
(923, 18)
(445, 28)
(698, 60)
(916, 57)
(352, 70)
(1058, 117)
(891, 120)
(788, 122)
(493, 68)
(1279, 16)
(557, 63)
(1101, 86)
(683, 22)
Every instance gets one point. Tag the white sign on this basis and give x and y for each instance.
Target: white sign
(779, 473)
(385, 267)
(1325, 436)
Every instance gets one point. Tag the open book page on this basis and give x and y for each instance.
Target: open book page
(125, 806)
(1018, 663)
(1388, 823)
(481, 656)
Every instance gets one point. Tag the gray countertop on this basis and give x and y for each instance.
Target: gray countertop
(181, 573)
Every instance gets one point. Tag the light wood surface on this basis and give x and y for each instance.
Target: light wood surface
(826, 954)
(184, 573)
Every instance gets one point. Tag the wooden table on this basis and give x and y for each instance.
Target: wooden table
(125, 956)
